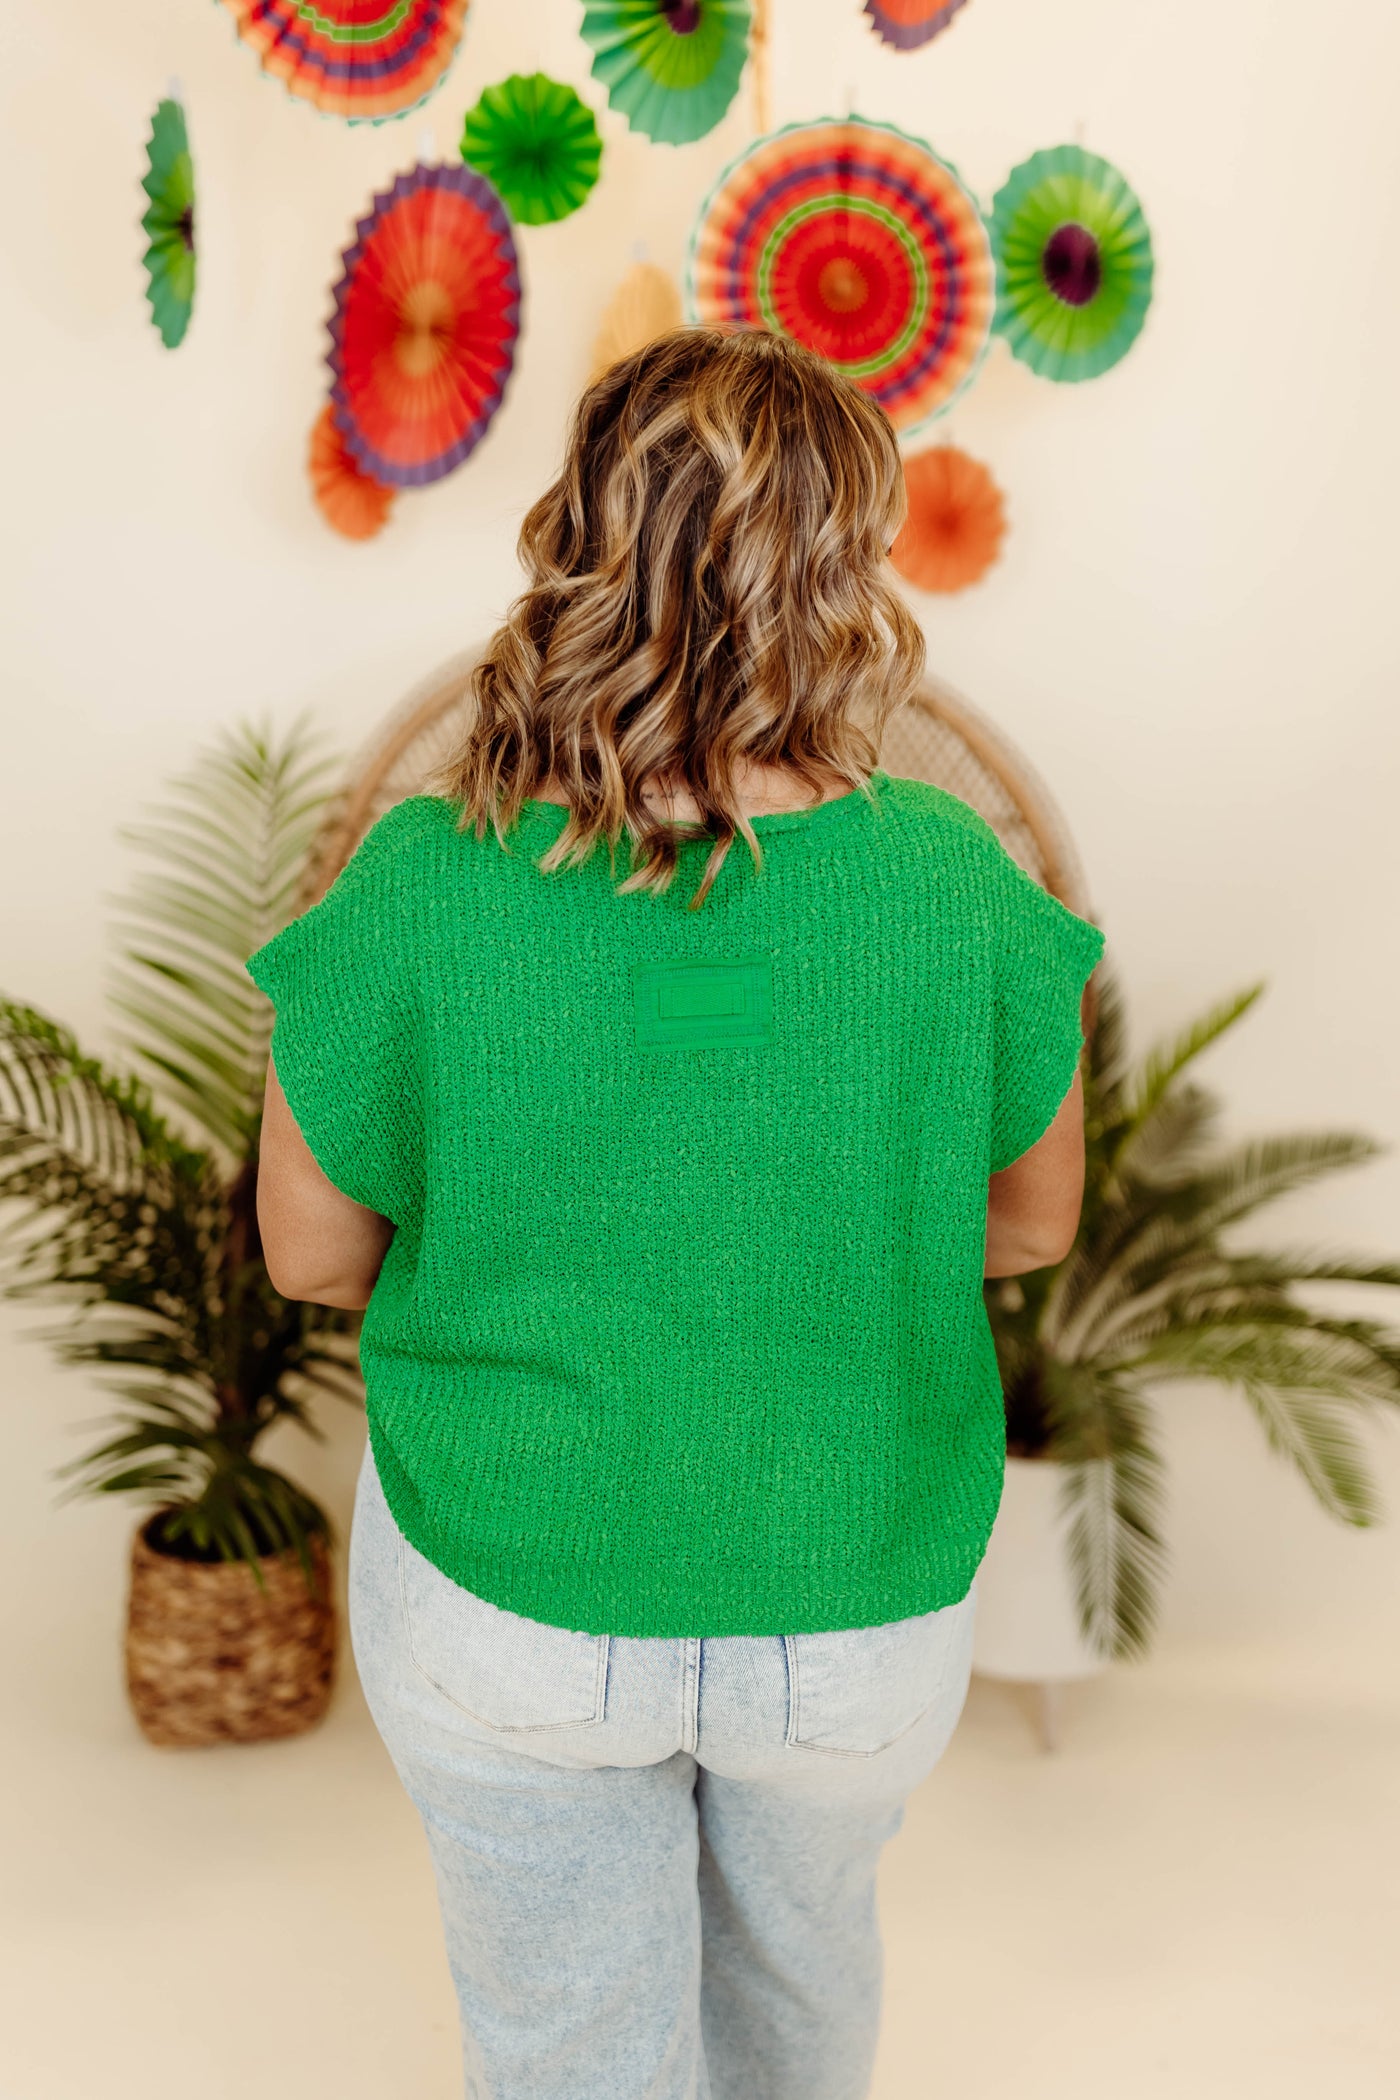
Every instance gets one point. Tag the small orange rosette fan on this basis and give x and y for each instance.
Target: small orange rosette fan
(956, 521)
(347, 499)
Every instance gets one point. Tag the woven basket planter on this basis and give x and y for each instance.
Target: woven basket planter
(211, 1658)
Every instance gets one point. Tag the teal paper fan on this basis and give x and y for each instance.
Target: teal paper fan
(671, 67)
(537, 145)
(169, 222)
(1074, 263)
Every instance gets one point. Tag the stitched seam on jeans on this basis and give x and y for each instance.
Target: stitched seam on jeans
(794, 1737)
(690, 1694)
(497, 1727)
(790, 1650)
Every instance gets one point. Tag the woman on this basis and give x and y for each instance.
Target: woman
(668, 1174)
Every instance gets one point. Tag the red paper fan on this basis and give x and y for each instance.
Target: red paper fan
(955, 524)
(861, 243)
(348, 500)
(427, 311)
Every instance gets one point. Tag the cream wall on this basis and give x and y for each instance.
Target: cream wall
(1190, 633)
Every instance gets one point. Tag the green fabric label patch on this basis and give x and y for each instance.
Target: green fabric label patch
(697, 1005)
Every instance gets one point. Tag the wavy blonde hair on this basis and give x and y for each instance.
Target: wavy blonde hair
(707, 588)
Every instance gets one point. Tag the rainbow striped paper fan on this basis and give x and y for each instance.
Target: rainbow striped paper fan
(363, 60)
(858, 241)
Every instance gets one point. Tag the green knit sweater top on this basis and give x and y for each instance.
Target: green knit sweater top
(681, 1331)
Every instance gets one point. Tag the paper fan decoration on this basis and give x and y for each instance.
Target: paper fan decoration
(908, 24)
(537, 143)
(169, 223)
(955, 523)
(671, 67)
(858, 241)
(427, 311)
(645, 305)
(364, 60)
(1074, 263)
(347, 499)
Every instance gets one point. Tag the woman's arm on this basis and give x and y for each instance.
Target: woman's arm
(1033, 1205)
(318, 1243)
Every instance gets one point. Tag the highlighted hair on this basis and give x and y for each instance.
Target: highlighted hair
(708, 588)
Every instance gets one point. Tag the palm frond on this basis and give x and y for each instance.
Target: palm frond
(1260, 1171)
(1113, 1496)
(1165, 1230)
(51, 1091)
(1170, 1143)
(1309, 1428)
(1336, 1359)
(1241, 1288)
(1108, 1068)
(1284, 1269)
(106, 1206)
(1131, 1254)
(339, 1381)
(231, 844)
(246, 1510)
(1163, 1064)
(1298, 1378)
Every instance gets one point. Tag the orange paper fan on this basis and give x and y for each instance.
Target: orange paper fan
(956, 521)
(347, 499)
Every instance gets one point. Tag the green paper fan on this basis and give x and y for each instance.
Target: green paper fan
(537, 145)
(169, 222)
(671, 67)
(1074, 263)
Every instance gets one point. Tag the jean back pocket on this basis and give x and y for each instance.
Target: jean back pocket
(853, 1693)
(508, 1672)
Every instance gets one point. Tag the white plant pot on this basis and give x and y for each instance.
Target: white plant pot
(1026, 1625)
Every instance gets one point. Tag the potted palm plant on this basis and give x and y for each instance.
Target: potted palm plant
(1154, 1290)
(140, 1218)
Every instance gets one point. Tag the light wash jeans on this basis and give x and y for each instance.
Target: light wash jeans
(655, 1859)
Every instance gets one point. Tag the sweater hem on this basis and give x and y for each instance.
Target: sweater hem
(768, 1600)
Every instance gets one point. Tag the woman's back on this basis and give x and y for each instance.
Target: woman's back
(682, 1325)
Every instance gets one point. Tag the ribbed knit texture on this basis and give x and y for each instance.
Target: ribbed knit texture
(678, 1339)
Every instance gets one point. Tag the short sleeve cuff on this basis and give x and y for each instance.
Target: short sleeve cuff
(1043, 1033)
(343, 1041)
